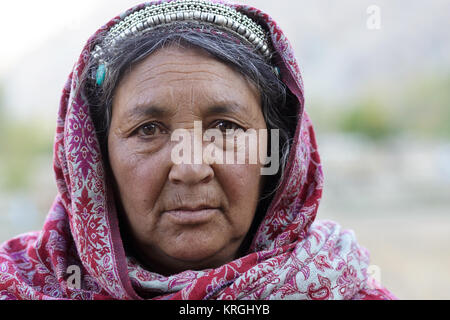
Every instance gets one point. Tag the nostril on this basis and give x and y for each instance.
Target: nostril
(190, 173)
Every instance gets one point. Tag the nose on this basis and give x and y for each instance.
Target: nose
(186, 171)
(191, 174)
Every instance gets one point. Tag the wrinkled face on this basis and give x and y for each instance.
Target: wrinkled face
(182, 216)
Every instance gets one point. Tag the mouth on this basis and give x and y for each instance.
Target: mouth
(192, 215)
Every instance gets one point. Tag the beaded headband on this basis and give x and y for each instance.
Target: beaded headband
(154, 16)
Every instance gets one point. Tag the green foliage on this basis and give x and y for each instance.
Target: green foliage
(420, 108)
(21, 144)
(369, 118)
(428, 107)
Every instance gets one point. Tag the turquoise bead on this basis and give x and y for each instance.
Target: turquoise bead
(101, 73)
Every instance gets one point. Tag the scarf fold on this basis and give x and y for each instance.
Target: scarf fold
(292, 256)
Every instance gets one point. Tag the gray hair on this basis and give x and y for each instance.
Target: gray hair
(278, 105)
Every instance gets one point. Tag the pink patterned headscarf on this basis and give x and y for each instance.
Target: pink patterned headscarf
(291, 256)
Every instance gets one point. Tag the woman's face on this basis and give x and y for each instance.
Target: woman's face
(179, 215)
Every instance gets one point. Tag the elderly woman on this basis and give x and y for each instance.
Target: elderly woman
(159, 195)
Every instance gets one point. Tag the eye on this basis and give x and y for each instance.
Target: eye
(150, 129)
(224, 125)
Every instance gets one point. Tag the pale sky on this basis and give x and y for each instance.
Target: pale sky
(25, 25)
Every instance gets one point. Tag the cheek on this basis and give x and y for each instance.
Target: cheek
(139, 176)
(241, 184)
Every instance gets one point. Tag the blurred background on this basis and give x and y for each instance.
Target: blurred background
(377, 81)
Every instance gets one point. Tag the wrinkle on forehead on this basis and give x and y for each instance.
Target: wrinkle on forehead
(183, 65)
(180, 79)
(183, 60)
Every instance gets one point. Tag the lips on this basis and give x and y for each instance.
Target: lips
(192, 215)
(192, 208)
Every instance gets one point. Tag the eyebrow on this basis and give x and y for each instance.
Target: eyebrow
(141, 111)
(154, 111)
(226, 108)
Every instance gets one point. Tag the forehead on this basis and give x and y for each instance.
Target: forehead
(178, 76)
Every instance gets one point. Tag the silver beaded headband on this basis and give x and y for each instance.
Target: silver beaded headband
(154, 16)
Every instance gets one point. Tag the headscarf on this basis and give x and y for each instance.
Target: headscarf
(292, 256)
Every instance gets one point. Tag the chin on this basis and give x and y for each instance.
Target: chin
(198, 252)
(193, 252)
